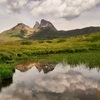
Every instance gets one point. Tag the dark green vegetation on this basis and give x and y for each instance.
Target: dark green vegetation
(90, 59)
(6, 71)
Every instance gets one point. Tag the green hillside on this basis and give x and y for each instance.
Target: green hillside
(11, 35)
(19, 32)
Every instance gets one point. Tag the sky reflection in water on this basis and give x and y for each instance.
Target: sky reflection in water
(63, 83)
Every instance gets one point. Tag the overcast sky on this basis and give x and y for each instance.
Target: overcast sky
(64, 14)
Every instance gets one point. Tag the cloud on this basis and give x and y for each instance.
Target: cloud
(2, 1)
(61, 82)
(67, 9)
(15, 5)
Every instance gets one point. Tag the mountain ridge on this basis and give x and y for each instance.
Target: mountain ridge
(43, 30)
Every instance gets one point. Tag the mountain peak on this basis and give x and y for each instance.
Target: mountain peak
(44, 24)
(37, 25)
(21, 30)
(20, 26)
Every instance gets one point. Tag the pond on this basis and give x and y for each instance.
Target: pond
(53, 82)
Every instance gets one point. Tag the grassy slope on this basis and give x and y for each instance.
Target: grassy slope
(11, 35)
(12, 51)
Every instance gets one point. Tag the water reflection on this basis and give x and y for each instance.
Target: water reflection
(61, 83)
(5, 83)
(46, 67)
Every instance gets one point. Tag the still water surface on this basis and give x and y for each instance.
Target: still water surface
(59, 82)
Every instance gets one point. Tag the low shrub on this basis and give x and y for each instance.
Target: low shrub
(6, 71)
(61, 40)
(26, 43)
(41, 41)
(6, 74)
(48, 41)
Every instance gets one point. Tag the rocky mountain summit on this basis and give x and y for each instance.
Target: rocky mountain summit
(24, 29)
(44, 25)
(36, 26)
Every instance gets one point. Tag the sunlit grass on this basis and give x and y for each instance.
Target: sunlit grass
(17, 50)
(90, 59)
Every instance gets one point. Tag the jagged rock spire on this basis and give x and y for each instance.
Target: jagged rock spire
(37, 25)
(44, 24)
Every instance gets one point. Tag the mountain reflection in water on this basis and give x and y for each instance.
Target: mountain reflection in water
(60, 83)
(46, 67)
